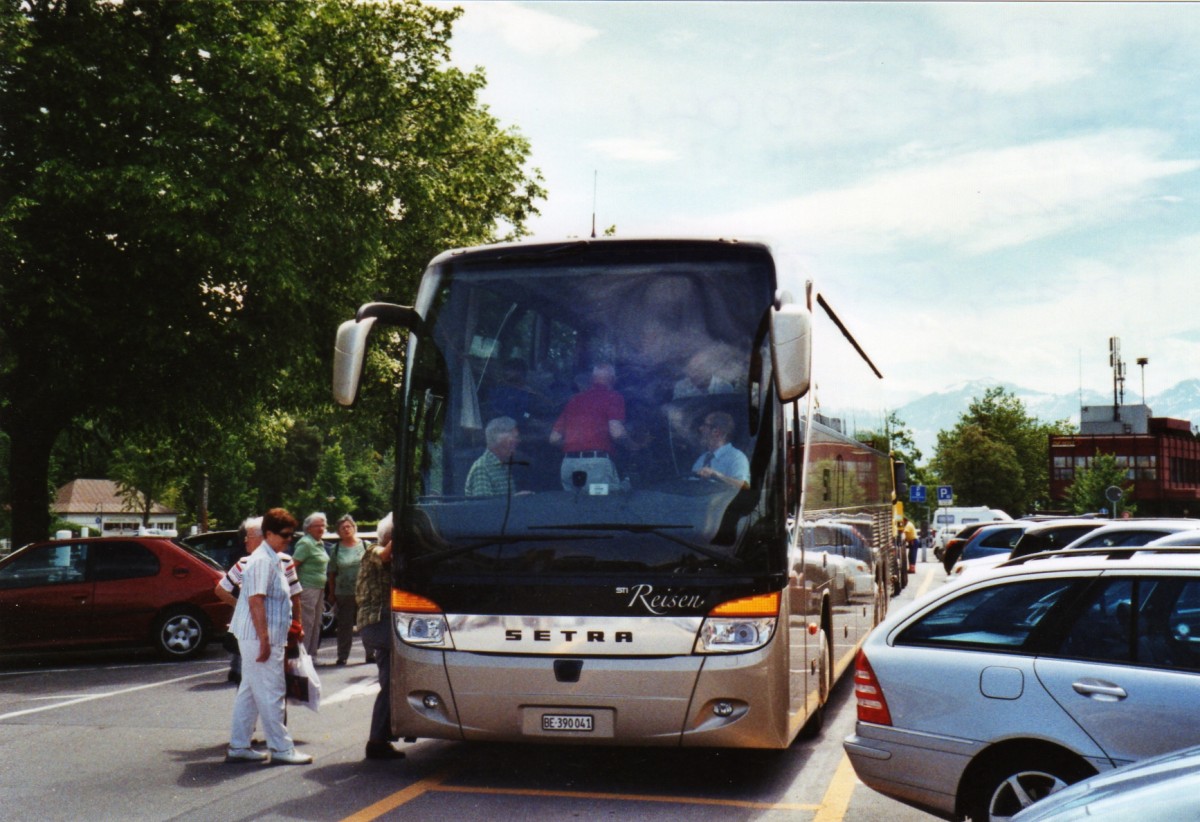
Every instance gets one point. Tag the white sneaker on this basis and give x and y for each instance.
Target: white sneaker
(244, 755)
(290, 757)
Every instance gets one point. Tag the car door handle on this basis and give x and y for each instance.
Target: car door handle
(1099, 690)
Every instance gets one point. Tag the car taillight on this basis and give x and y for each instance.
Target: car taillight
(872, 707)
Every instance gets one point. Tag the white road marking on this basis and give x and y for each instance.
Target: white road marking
(81, 699)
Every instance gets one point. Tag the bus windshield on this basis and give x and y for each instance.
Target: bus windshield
(593, 408)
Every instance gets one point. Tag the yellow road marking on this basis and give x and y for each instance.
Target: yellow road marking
(837, 796)
(390, 803)
(435, 784)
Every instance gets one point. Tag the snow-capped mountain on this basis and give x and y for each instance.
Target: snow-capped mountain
(940, 411)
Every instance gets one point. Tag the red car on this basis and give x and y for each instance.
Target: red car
(110, 591)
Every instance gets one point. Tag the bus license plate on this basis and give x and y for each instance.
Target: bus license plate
(566, 722)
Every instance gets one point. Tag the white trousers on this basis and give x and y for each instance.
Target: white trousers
(261, 695)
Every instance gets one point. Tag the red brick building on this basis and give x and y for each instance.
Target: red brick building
(1161, 456)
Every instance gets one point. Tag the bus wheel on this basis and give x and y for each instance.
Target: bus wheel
(824, 675)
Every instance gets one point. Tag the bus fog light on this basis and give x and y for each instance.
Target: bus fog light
(723, 708)
(432, 702)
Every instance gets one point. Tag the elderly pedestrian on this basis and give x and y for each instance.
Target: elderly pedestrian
(312, 563)
(261, 622)
(344, 560)
(374, 591)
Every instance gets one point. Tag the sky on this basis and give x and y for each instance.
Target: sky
(984, 191)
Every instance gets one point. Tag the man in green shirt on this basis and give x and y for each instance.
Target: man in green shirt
(491, 474)
(312, 560)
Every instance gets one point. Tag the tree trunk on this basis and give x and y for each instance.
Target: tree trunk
(29, 477)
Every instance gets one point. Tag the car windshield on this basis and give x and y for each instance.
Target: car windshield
(514, 459)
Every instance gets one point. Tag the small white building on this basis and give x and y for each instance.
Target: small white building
(97, 504)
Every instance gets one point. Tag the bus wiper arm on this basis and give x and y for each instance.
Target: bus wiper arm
(649, 528)
(505, 539)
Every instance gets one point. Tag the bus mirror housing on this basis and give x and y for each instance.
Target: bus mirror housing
(791, 350)
(350, 348)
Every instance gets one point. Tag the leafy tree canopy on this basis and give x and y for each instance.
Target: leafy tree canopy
(997, 455)
(192, 195)
(1087, 493)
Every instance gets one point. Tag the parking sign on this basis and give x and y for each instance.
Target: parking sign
(945, 494)
(916, 493)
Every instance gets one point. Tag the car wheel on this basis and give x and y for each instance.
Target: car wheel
(824, 674)
(1013, 785)
(328, 616)
(180, 634)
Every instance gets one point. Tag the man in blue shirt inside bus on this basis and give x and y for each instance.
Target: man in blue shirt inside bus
(721, 461)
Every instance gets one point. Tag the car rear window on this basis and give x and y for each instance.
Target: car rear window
(997, 617)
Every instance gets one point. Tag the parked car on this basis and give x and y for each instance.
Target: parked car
(947, 522)
(1038, 537)
(988, 547)
(1189, 537)
(1053, 535)
(225, 547)
(1160, 789)
(74, 593)
(1132, 532)
(950, 553)
(982, 697)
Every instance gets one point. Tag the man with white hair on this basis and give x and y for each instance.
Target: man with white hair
(491, 474)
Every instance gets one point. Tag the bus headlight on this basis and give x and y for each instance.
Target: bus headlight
(723, 635)
(427, 630)
(739, 625)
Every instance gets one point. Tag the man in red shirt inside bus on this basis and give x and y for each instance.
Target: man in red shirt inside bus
(587, 429)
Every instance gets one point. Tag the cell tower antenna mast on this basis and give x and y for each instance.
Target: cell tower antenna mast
(1118, 367)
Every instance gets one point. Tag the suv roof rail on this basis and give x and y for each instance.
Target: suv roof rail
(1113, 552)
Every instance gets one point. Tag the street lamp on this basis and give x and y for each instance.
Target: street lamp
(1142, 362)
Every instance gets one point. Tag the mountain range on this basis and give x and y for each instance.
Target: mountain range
(941, 410)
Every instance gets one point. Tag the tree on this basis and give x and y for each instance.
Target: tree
(998, 455)
(192, 195)
(146, 473)
(1087, 493)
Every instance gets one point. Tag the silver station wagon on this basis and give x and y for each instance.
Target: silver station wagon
(987, 695)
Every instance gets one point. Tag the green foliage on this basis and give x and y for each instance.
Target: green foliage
(145, 472)
(1087, 493)
(192, 195)
(997, 455)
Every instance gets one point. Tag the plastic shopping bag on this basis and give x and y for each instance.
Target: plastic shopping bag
(303, 684)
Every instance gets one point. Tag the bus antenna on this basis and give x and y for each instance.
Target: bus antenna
(595, 178)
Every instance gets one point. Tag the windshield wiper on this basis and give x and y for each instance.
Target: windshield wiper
(504, 539)
(648, 528)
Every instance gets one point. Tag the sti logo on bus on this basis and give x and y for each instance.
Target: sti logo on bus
(660, 604)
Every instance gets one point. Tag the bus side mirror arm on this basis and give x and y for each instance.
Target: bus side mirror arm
(351, 346)
(791, 350)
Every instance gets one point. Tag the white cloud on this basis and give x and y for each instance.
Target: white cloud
(636, 151)
(1007, 75)
(980, 201)
(528, 31)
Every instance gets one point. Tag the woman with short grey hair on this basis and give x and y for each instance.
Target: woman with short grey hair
(312, 562)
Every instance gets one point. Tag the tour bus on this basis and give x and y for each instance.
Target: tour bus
(620, 594)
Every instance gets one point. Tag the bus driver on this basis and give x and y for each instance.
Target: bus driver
(721, 461)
